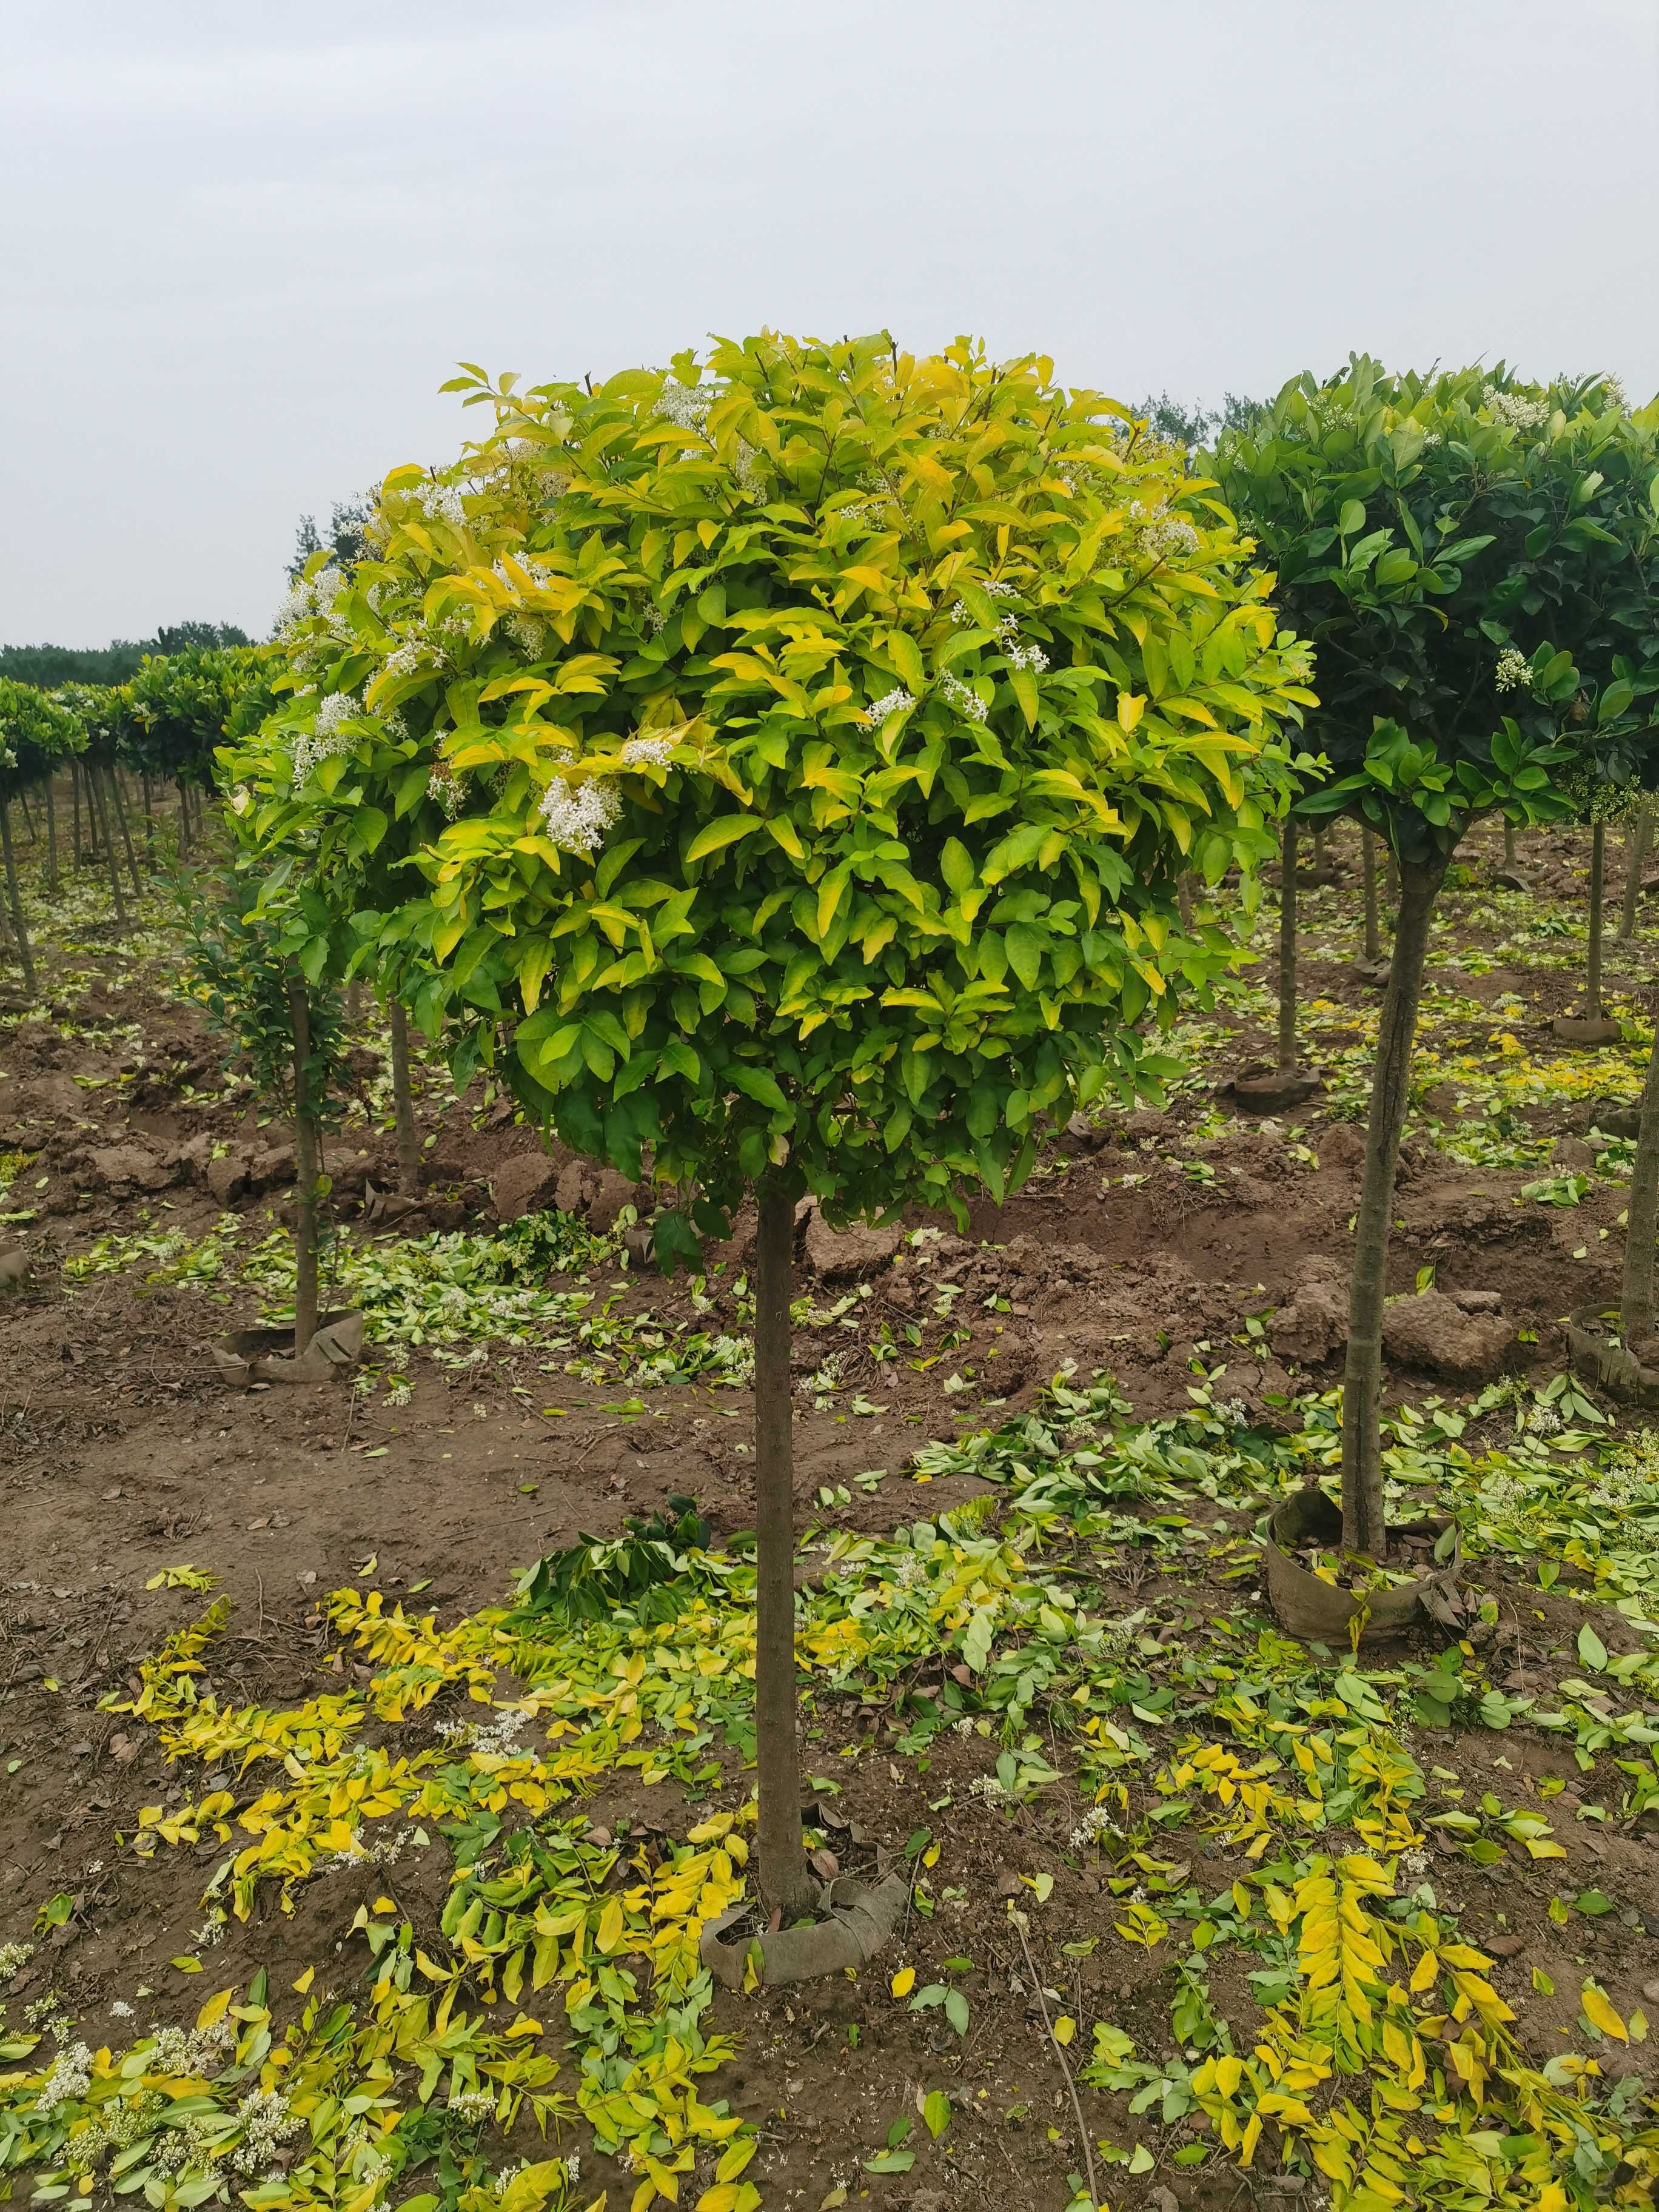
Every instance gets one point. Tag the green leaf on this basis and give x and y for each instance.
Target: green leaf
(1591, 1650)
(1352, 517)
(890, 2161)
(955, 2011)
(715, 837)
(936, 2113)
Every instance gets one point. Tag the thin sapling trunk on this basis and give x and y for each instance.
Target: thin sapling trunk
(785, 1882)
(1364, 1528)
(28, 818)
(1368, 869)
(402, 1106)
(1637, 839)
(14, 900)
(305, 1159)
(1593, 957)
(1287, 948)
(51, 838)
(74, 801)
(126, 834)
(1509, 842)
(1642, 1217)
(98, 811)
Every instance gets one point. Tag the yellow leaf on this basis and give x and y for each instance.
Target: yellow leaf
(1064, 2028)
(1597, 2011)
(904, 1981)
(186, 1966)
(214, 2009)
(611, 1925)
(305, 1980)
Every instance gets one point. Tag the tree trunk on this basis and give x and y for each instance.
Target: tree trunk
(51, 838)
(1184, 898)
(14, 899)
(184, 819)
(126, 834)
(305, 1158)
(403, 1103)
(1509, 842)
(1368, 869)
(28, 818)
(150, 815)
(786, 1881)
(98, 812)
(1287, 947)
(1637, 838)
(1593, 955)
(1642, 1216)
(1364, 1526)
(74, 801)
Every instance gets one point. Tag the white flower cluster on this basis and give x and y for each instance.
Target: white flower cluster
(991, 1789)
(1514, 670)
(963, 698)
(1613, 393)
(497, 1738)
(688, 405)
(190, 2050)
(267, 2123)
(750, 483)
(578, 816)
(534, 569)
(13, 1957)
(896, 701)
(405, 661)
(329, 733)
(68, 2081)
(654, 752)
(442, 503)
(1092, 1827)
(475, 2105)
(1027, 656)
(1414, 1862)
(1514, 410)
(447, 789)
(910, 1571)
(311, 595)
(1168, 537)
(528, 630)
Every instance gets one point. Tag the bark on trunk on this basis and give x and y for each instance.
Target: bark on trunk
(184, 819)
(98, 812)
(786, 1881)
(74, 802)
(403, 1102)
(28, 818)
(14, 900)
(1364, 1526)
(51, 838)
(1509, 842)
(1287, 948)
(1367, 865)
(1642, 1216)
(1593, 955)
(305, 1157)
(1636, 858)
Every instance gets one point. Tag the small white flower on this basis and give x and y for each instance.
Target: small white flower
(962, 697)
(655, 751)
(578, 816)
(69, 2079)
(1167, 536)
(1514, 410)
(896, 701)
(688, 405)
(1514, 670)
(1613, 392)
(120, 2010)
(442, 503)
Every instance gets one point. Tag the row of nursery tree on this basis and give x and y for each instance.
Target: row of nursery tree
(816, 769)
(110, 750)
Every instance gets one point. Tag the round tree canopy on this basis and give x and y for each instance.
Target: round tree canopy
(1476, 562)
(799, 751)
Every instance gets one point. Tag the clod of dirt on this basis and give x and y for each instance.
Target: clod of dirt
(523, 1184)
(1371, 971)
(1589, 1032)
(1315, 1324)
(1271, 1090)
(14, 1268)
(614, 1193)
(1434, 1333)
(837, 1253)
(116, 1168)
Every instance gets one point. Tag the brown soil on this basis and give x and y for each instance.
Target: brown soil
(122, 1452)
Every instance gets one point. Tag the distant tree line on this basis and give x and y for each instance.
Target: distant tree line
(45, 666)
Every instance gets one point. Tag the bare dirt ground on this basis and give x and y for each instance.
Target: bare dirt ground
(1190, 1253)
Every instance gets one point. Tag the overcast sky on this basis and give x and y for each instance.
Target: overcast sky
(243, 246)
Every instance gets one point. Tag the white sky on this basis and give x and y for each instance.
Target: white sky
(244, 245)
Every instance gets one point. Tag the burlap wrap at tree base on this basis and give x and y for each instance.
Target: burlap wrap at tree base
(266, 1355)
(1619, 1373)
(1317, 1613)
(860, 1921)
